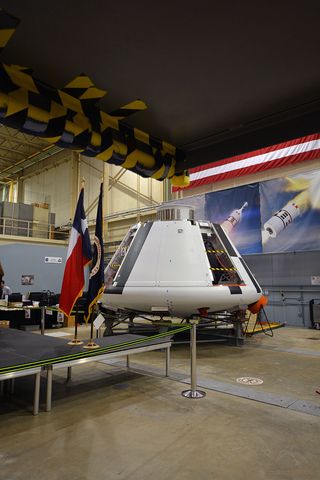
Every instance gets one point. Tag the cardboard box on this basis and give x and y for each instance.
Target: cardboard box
(15, 304)
(69, 322)
(4, 323)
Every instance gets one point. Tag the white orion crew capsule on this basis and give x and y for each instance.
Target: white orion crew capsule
(178, 266)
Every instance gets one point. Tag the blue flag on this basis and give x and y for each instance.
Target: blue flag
(96, 280)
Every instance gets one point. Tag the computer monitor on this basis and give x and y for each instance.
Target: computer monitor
(53, 299)
(15, 297)
(36, 296)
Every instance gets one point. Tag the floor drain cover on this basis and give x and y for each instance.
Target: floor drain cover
(249, 381)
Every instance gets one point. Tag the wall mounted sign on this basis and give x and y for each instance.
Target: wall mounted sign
(27, 279)
(52, 259)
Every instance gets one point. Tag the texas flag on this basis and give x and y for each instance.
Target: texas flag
(79, 255)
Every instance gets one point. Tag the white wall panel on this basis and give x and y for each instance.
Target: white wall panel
(57, 180)
(52, 186)
(125, 191)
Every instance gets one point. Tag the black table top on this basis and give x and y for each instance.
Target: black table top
(21, 350)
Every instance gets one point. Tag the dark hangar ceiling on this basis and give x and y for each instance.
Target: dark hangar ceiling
(219, 78)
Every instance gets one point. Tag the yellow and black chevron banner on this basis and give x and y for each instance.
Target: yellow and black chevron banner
(224, 269)
(216, 251)
(8, 25)
(70, 118)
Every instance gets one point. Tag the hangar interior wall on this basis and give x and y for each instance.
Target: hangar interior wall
(47, 276)
(57, 180)
(286, 278)
(57, 183)
(52, 187)
(129, 191)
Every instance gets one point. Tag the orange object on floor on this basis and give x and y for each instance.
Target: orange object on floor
(256, 307)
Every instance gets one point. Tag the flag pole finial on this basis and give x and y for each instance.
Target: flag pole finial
(83, 182)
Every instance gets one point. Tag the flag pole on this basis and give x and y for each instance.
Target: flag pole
(79, 255)
(91, 343)
(75, 340)
(96, 279)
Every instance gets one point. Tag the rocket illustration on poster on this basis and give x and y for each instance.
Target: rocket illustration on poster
(238, 211)
(290, 213)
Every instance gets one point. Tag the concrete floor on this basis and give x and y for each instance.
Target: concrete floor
(109, 423)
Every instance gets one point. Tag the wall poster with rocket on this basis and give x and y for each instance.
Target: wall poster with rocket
(290, 213)
(281, 215)
(238, 211)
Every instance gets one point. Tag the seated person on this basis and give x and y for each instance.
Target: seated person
(1, 272)
(5, 289)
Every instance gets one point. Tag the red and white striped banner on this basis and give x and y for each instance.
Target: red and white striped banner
(282, 154)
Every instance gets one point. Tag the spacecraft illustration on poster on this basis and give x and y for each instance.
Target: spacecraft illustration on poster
(290, 213)
(238, 211)
(280, 215)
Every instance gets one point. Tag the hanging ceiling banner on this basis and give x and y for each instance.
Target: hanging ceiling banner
(280, 155)
(70, 118)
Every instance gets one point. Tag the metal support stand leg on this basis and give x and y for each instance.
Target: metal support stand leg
(42, 321)
(238, 333)
(1, 387)
(5, 389)
(36, 398)
(11, 386)
(49, 389)
(128, 362)
(167, 361)
(193, 392)
(69, 374)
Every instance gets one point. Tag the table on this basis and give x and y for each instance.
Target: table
(72, 363)
(25, 353)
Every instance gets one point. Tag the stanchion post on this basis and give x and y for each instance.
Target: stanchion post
(193, 392)
(167, 361)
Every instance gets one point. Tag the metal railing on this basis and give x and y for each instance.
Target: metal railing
(31, 229)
